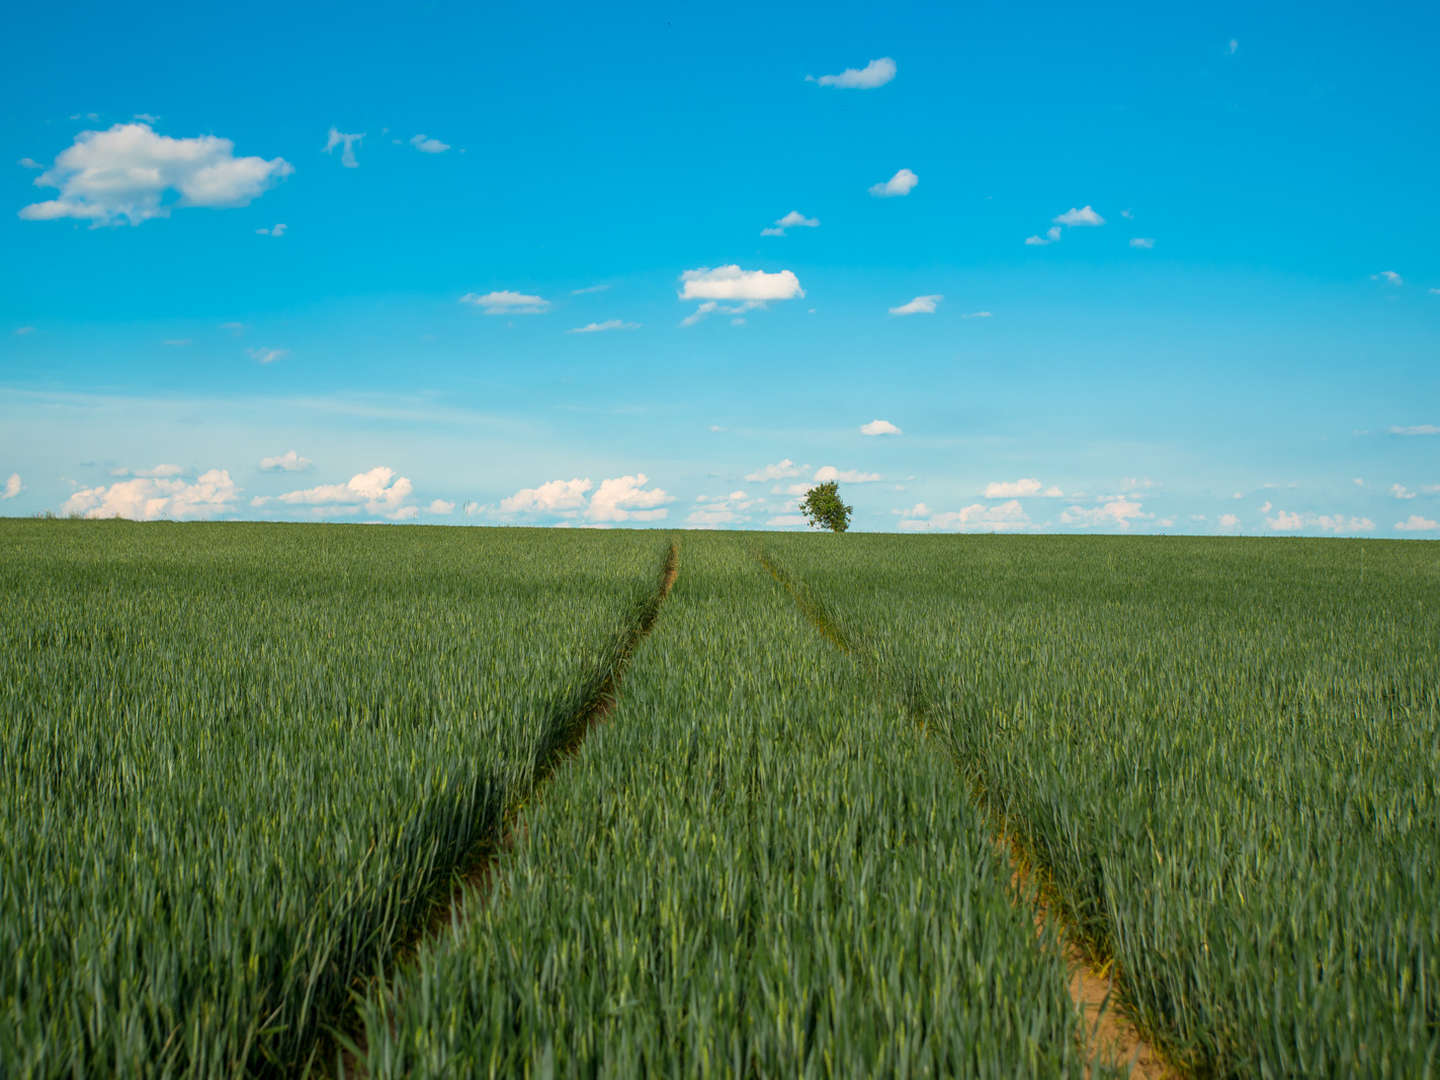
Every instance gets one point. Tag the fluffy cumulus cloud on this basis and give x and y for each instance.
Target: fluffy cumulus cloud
(827, 473)
(902, 183)
(1011, 489)
(619, 498)
(131, 174)
(13, 486)
(731, 290)
(713, 511)
(1086, 215)
(563, 497)
(600, 327)
(875, 73)
(338, 139)
(1114, 512)
(506, 302)
(150, 499)
(879, 427)
(1052, 235)
(1415, 523)
(921, 305)
(1229, 521)
(977, 517)
(289, 461)
(378, 491)
(793, 220)
(1290, 521)
(781, 470)
(428, 145)
(1400, 491)
(441, 506)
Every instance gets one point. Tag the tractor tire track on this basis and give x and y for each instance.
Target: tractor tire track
(472, 883)
(1107, 1035)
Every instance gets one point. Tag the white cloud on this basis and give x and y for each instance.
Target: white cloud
(1127, 214)
(1010, 489)
(625, 498)
(1114, 512)
(781, 470)
(267, 356)
(563, 497)
(146, 499)
(123, 174)
(588, 289)
(277, 230)
(1052, 235)
(1434, 292)
(977, 517)
(793, 220)
(713, 511)
(347, 145)
(1138, 483)
(21, 331)
(29, 163)
(784, 521)
(158, 472)
(921, 305)
(1084, 216)
(1265, 507)
(427, 145)
(1232, 47)
(976, 315)
(879, 427)
(732, 283)
(1414, 523)
(608, 324)
(827, 473)
(1400, 491)
(790, 489)
(902, 183)
(1390, 277)
(13, 487)
(1415, 429)
(1145, 242)
(379, 490)
(441, 506)
(747, 289)
(289, 461)
(178, 343)
(1289, 521)
(1229, 521)
(875, 73)
(506, 302)
(233, 327)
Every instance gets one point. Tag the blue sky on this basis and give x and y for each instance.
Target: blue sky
(1227, 319)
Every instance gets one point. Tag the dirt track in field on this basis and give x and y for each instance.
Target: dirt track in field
(1106, 1032)
(473, 883)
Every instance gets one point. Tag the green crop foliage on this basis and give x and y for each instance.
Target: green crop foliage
(1224, 754)
(756, 866)
(238, 761)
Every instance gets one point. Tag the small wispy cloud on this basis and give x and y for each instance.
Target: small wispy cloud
(178, 342)
(608, 324)
(921, 305)
(1390, 277)
(267, 356)
(428, 145)
(902, 183)
(346, 142)
(274, 230)
(1052, 236)
(1086, 215)
(1232, 47)
(1415, 429)
(589, 289)
(874, 74)
(1144, 242)
(507, 302)
(976, 315)
(21, 331)
(29, 163)
(793, 220)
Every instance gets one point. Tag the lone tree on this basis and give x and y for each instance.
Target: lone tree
(823, 508)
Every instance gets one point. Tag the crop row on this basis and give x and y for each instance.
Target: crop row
(1223, 754)
(756, 866)
(237, 762)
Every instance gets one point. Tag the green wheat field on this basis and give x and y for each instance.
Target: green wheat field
(763, 821)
